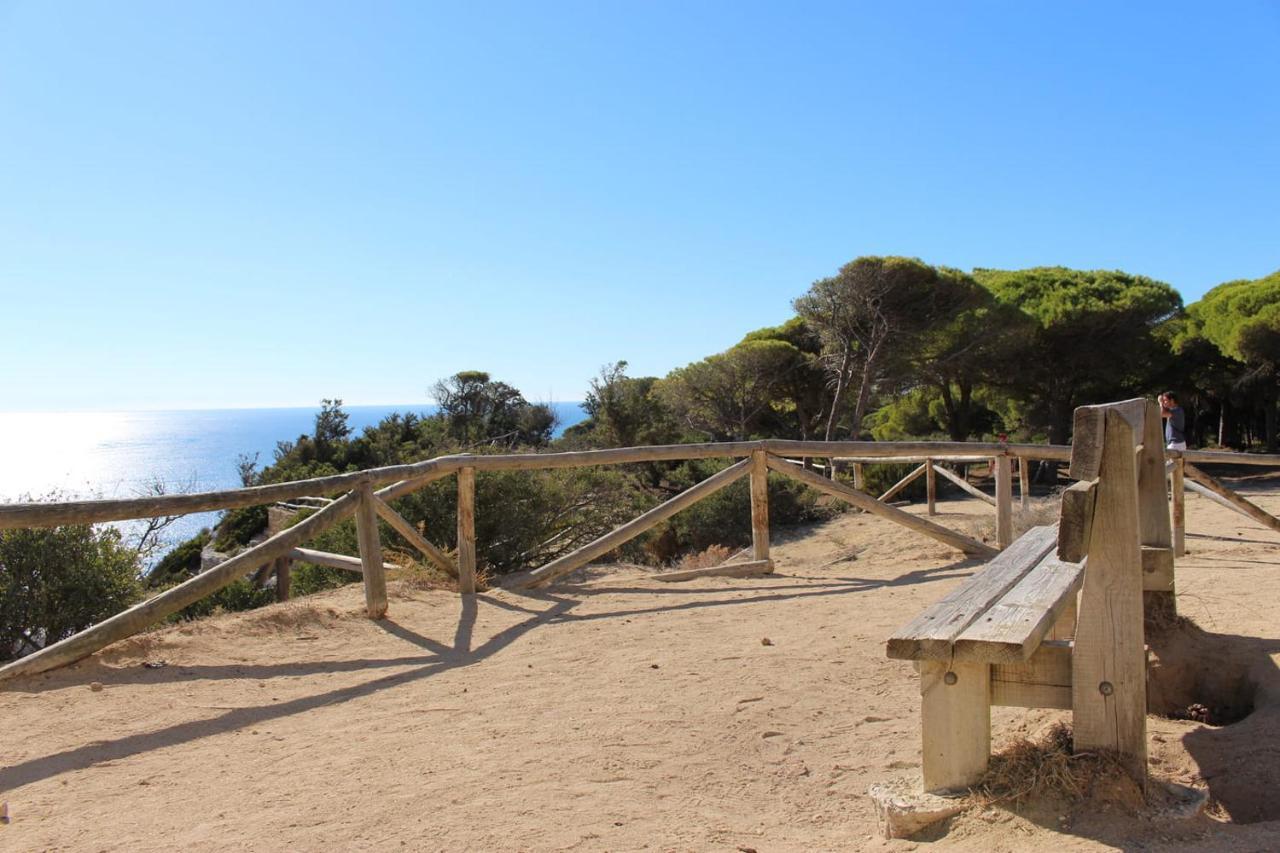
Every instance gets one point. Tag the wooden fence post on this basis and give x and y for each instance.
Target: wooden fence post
(759, 506)
(1153, 514)
(467, 530)
(1109, 660)
(284, 573)
(375, 579)
(1178, 487)
(1004, 501)
(931, 486)
(1024, 482)
(858, 482)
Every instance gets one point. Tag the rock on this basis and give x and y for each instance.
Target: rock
(766, 642)
(95, 686)
(903, 811)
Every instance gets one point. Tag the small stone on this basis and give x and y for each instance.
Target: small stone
(902, 811)
(653, 666)
(766, 642)
(95, 686)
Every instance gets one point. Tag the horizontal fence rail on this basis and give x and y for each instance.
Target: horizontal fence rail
(365, 495)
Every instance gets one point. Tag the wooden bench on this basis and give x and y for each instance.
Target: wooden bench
(1056, 619)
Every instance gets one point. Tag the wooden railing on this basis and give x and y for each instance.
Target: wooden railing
(367, 494)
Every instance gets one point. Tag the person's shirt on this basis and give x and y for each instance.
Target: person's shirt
(1175, 425)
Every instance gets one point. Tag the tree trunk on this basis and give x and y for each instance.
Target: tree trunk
(842, 386)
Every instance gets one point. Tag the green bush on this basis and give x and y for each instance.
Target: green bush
(57, 581)
(238, 526)
(180, 563)
(238, 595)
(878, 479)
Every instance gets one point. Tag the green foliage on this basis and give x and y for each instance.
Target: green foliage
(729, 395)
(236, 596)
(1091, 337)
(239, 526)
(476, 410)
(622, 412)
(57, 581)
(180, 563)
(1242, 318)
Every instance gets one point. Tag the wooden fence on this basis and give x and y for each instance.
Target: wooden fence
(367, 495)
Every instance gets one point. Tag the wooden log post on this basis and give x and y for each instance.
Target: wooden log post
(931, 486)
(375, 578)
(1024, 482)
(1109, 687)
(859, 478)
(1177, 485)
(467, 531)
(759, 507)
(1004, 501)
(284, 574)
(955, 722)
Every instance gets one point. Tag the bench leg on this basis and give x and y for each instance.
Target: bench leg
(955, 714)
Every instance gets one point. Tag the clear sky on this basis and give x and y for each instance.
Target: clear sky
(265, 203)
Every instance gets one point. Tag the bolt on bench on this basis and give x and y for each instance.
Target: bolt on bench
(1056, 620)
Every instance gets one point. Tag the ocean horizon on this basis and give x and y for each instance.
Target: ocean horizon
(81, 455)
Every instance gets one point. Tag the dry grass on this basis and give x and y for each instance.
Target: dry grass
(713, 556)
(1039, 512)
(419, 575)
(1046, 769)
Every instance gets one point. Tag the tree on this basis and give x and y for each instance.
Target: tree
(622, 412)
(1242, 319)
(802, 391)
(478, 410)
(870, 313)
(1090, 337)
(57, 581)
(728, 395)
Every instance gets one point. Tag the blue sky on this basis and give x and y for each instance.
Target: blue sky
(238, 204)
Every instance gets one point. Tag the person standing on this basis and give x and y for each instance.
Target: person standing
(1175, 422)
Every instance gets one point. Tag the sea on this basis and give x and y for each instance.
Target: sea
(78, 455)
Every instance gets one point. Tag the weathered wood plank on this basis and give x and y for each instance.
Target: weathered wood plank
(630, 530)
(1157, 569)
(1109, 659)
(1004, 501)
(1024, 483)
(965, 484)
(955, 723)
(932, 634)
(760, 507)
(931, 487)
(1043, 681)
(1075, 520)
(375, 579)
(1179, 498)
(959, 541)
(732, 570)
(1089, 427)
(1012, 628)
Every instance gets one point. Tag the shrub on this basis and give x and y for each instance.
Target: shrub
(238, 526)
(180, 563)
(57, 581)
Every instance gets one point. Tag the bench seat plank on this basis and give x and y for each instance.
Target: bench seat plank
(1013, 628)
(931, 634)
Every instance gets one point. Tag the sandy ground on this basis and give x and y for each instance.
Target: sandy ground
(612, 713)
